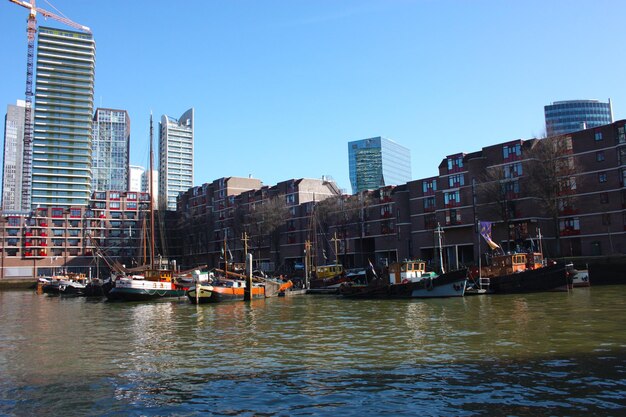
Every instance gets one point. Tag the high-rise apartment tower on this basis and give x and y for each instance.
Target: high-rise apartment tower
(110, 148)
(175, 158)
(13, 156)
(62, 135)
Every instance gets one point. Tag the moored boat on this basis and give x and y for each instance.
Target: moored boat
(409, 279)
(580, 278)
(152, 285)
(329, 276)
(524, 272)
(223, 290)
(64, 285)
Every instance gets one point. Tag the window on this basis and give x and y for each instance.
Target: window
(602, 177)
(569, 226)
(114, 204)
(621, 134)
(604, 198)
(75, 212)
(510, 188)
(453, 217)
(606, 219)
(429, 186)
(451, 199)
(455, 163)
(600, 156)
(598, 136)
(511, 151)
(429, 204)
(430, 221)
(131, 196)
(513, 170)
(457, 180)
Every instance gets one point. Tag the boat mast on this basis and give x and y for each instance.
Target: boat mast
(439, 232)
(151, 198)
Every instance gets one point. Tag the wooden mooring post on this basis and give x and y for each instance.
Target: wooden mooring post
(247, 291)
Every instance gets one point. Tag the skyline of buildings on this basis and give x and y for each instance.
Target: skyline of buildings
(13, 156)
(175, 157)
(64, 93)
(376, 162)
(110, 150)
(381, 225)
(573, 115)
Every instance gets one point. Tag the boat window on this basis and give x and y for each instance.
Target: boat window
(403, 267)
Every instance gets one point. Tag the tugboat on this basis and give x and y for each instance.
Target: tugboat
(409, 279)
(513, 273)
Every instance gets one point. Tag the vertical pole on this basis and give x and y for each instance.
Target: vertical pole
(307, 250)
(3, 221)
(480, 284)
(151, 197)
(247, 291)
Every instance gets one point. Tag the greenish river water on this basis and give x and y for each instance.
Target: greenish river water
(526, 355)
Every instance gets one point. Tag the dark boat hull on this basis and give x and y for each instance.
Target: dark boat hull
(65, 289)
(451, 284)
(548, 278)
(98, 289)
(132, 294)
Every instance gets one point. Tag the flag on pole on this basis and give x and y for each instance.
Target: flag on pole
(372, 268)
(485, 232)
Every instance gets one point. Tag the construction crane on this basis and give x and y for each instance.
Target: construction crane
(28, 118)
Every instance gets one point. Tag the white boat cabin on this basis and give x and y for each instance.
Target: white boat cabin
(407, 271)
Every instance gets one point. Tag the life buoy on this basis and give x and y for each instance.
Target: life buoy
(62, 287)
(405, 281)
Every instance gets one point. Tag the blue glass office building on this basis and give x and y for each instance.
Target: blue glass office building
(573, 115)
(377, 162)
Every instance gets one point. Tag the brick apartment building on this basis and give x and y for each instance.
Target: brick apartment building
(51, 239)
(400, 222)
(218, 219)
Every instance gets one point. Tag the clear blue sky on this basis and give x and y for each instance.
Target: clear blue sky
(280, 87)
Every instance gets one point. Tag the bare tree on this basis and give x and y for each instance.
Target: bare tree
(496, 188)
(267, 218)
(342, 212)
(551, 178)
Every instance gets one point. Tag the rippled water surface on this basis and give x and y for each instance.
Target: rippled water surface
(537, 354)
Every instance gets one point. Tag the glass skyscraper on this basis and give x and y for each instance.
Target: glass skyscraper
(13, 156)
(175, 158)
(377, 162)
(573, 115)
(63, 118)
(110, 150)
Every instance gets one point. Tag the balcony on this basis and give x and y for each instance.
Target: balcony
(569, 231)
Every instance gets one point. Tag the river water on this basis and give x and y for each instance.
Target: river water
(525, 355)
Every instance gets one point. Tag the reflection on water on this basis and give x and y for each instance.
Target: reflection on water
(520, 355)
